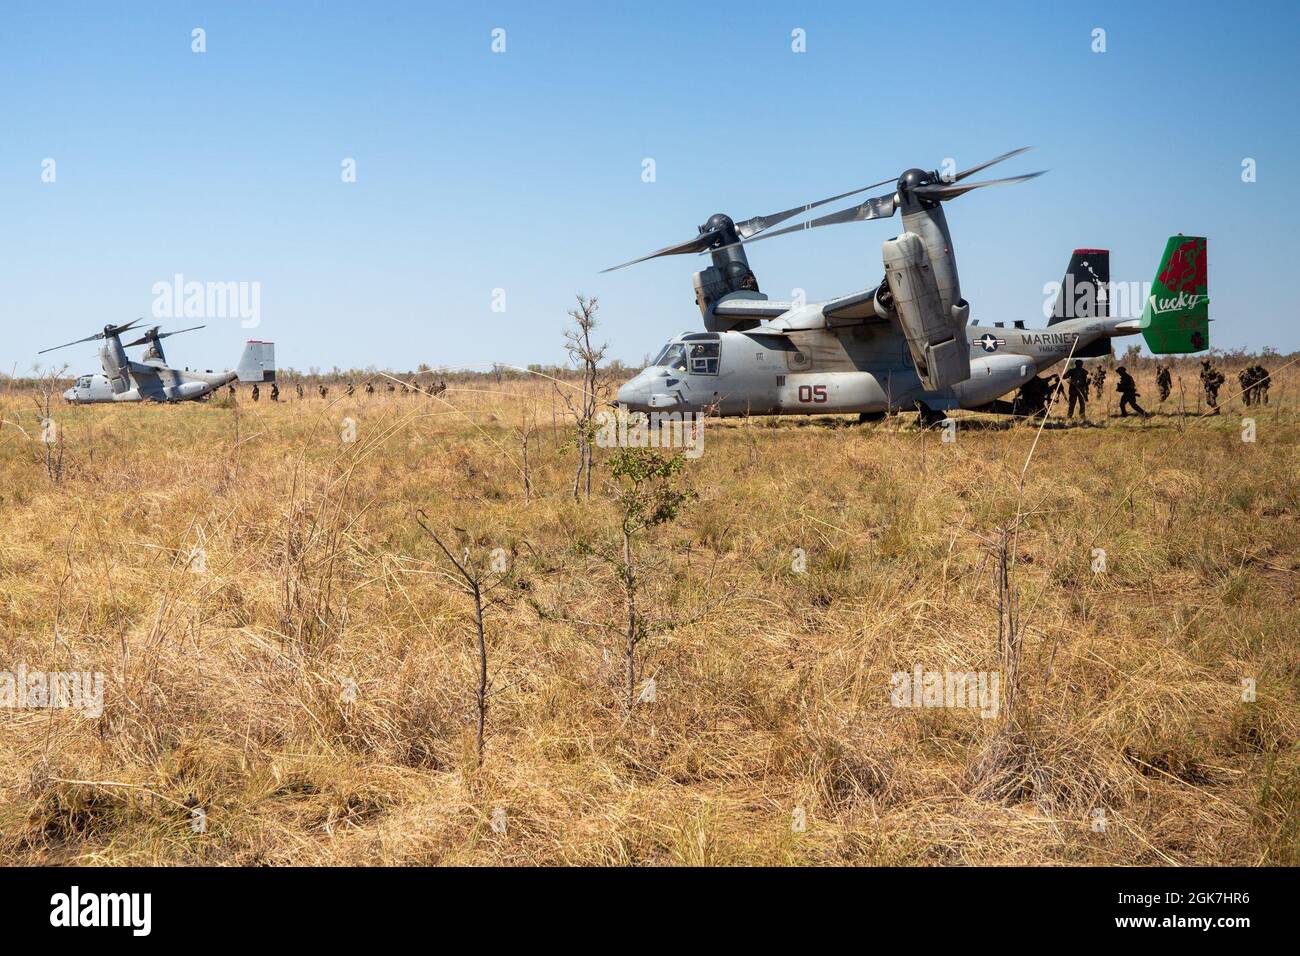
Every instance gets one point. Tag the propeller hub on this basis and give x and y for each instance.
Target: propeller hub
(912, 178)
(718, 222)
(908, 182)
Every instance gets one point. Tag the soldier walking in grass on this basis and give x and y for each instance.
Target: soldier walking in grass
(1163, 382)
(1211, 379)
(1077, 380)
(275, 392)
(256, 394)
(1053, 391)
(324, 391)
(1254, 385)
(1029, 399)
(1246, 380)
(370, 388)
(1098, 379)
(1128, 393)
(1260, 386)
(1036, 395)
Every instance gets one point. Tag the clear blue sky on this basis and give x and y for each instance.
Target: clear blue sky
(522, 170)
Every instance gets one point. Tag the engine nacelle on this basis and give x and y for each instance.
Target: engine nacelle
(935, 332)
(710, 286)
(992, 377)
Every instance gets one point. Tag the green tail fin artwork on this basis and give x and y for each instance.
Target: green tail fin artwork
(1177, 314)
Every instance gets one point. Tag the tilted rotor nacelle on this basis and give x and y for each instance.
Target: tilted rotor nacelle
(730, 271)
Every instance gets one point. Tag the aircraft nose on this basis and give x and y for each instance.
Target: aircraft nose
(634, 394)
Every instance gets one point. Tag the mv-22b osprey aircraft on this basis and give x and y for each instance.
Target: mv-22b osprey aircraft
(904, 343)
(125, 380)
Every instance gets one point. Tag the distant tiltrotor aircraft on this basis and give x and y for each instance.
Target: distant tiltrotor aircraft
(151, 380)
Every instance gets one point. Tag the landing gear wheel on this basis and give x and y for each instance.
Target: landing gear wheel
(926, 417)
(866, 417)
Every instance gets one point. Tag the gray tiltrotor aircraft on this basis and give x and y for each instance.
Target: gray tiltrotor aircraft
(125, 380)
(904, 343)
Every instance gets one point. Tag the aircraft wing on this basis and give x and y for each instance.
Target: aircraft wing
(739, 307)
(146, 378)
(772, 338)
(850, 309)
(857, 307)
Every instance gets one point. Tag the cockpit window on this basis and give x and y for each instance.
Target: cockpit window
(704, 358)
(695, 358)
(83, 382)
(673, 357)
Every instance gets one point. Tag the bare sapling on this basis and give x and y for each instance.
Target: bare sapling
(586, 356)
(477, 576)
(50, 435)
(646, 493)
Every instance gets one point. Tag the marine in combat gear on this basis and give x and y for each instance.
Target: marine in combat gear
(1128, 393)
(1211, 380)
(1077, 380)
(1254, 382)
(1098, 379)
(1163, 382)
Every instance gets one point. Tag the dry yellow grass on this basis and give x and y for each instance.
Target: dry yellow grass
(225, 689)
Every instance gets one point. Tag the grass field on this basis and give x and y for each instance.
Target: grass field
(290, 676)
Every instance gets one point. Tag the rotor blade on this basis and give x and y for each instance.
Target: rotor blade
(150, 335)
(938, 191)
(975, 169)
(757, 224)
(119, 329)
(179, 331)
(153, 335)
(698, 244)
(88, 338)
(879, 207)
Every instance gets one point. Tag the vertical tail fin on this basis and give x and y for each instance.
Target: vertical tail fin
(1085, 294)
(1177, 314)
(257, 364)
(1085, 287)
